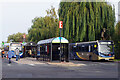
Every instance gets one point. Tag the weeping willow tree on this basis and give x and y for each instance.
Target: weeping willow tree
(84, 21)
(116, 39)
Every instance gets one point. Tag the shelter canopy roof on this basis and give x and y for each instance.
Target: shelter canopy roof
(53, 40)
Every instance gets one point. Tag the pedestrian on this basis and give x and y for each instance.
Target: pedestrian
(30, 53)
(19, 56)
(17, 53)
(3, 52)
(10, 54)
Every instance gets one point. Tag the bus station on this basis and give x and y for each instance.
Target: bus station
(49, 49)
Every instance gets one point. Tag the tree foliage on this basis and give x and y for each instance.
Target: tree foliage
(116, 38)
(84, 21)
(18, 37)
(44, 27)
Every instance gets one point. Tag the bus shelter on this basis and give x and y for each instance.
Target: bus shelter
(49, 49)
(30, 49)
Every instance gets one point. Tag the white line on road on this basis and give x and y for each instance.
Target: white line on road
(9, 64)
(31, 64)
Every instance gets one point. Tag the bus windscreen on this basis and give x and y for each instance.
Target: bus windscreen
(105, 48)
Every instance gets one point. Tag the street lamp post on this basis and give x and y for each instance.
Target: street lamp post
(60, 26)
(60, 44)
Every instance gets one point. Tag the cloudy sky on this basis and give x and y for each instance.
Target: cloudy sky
(16, 15)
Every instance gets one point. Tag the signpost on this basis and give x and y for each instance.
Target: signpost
(60, 26)
(24, 38)
(3, 43)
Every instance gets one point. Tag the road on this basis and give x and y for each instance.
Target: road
(30, 68)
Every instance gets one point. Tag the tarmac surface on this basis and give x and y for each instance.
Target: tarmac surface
(31, 68)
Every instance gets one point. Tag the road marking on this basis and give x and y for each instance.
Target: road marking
(31, 64)
(9, 64)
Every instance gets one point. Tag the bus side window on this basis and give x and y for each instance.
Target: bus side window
(91, 47)
(95, 48)
(74, 48)
(82, 48)
(89, 50)
(86, 48)
(79, 48)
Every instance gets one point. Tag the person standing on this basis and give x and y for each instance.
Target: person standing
(17, 53)
(10, 54)
(30, 53)
(3, 52)
(5, 55)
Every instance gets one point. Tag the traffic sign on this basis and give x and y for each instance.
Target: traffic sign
(60, 24)
(24, 36)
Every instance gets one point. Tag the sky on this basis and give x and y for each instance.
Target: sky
(17, 15)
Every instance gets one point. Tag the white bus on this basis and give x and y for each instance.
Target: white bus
(15, 45)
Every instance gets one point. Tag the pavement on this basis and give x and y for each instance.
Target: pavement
(31, 68)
